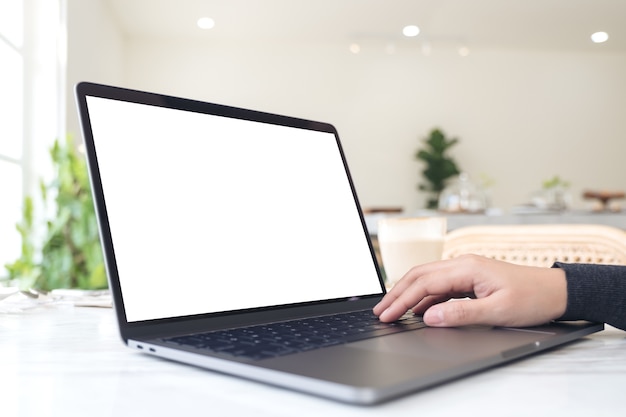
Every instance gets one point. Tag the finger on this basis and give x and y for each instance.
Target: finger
(408, 279)
(447, 281)
(398, 289)
(428, 302)
(462, 313)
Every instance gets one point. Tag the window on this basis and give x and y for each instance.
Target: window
(28, 108)
(11, 135)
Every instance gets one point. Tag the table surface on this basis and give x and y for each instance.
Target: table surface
(456, 221)
(63, 360)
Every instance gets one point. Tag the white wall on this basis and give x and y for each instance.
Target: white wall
(521, 116)
(95, 51)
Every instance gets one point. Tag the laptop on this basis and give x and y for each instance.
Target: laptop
(234, 241)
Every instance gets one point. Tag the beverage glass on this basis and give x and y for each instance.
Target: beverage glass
(408, 241)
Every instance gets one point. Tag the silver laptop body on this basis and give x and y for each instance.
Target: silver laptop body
(214, 217)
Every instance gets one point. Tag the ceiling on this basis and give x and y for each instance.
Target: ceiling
(543, 24)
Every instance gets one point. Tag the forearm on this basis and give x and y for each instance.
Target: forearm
(595, 293)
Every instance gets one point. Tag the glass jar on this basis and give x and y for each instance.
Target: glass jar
(463, 196)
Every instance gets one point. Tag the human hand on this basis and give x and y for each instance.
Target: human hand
(501, 294)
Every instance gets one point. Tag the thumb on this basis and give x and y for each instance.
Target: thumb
(456, 313)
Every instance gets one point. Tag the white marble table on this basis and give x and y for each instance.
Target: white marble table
(69, 361)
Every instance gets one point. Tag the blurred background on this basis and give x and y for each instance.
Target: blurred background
(521, 84)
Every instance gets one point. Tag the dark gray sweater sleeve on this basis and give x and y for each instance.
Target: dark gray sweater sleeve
(595, 293)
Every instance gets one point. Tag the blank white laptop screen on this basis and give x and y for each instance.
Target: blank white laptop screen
(203, 206)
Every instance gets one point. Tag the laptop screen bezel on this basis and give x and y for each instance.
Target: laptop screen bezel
(184, 324)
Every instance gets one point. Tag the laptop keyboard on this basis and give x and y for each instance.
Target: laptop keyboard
(284, 338)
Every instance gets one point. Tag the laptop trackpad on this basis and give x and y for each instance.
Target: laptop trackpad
(453, 343)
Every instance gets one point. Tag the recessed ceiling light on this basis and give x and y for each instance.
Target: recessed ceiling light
(464, 51)
(600, 37)
(355, 48)
(206, 23)
(411, 31)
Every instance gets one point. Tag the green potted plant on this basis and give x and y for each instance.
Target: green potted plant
(439, 166)
(68, 255)
(556, 194)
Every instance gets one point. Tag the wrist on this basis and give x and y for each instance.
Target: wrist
(556, 292)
